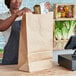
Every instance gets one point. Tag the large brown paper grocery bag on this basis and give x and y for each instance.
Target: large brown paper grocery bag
(36, 42)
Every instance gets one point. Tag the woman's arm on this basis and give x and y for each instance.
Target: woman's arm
(5, 24)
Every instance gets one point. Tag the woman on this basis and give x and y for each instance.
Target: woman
(10, 26)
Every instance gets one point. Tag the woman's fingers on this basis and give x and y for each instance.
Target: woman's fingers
(20, 13)
(26, 9)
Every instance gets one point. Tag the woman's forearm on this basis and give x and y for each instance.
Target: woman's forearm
(5, 24)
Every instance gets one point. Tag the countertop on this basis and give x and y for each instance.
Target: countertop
(56, 70)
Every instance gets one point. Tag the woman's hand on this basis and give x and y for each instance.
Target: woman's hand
(20, 12)
(48, 6)
(25, 9)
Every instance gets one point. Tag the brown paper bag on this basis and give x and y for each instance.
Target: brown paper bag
(36, 42)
